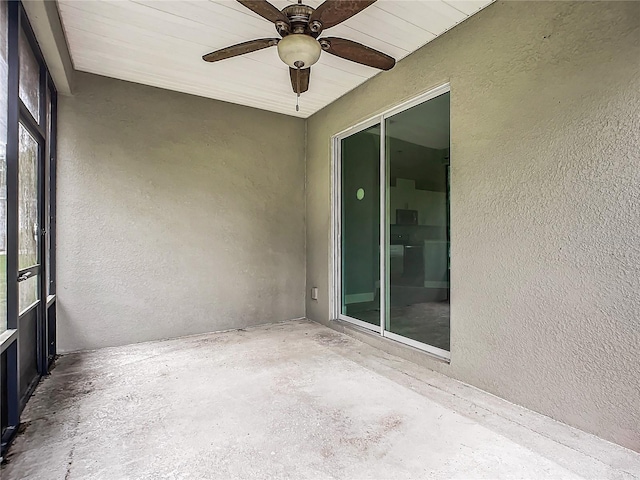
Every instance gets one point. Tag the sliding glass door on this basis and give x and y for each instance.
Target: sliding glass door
(401, 290)
(360, 220)
(417, 141)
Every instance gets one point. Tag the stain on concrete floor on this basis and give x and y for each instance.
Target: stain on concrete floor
(290, 400)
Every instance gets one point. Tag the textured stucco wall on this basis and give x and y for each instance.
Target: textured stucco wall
(176, 215)
(545, 207)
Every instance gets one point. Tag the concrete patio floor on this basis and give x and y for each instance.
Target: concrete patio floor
(290, 400)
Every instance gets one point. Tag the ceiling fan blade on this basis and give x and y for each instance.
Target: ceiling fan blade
(305, 73)
(333, 12)
(265, 10)
(240, 49)
(356, 52)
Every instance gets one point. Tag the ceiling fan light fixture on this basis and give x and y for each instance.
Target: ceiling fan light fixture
(299, 50)
(299, 25)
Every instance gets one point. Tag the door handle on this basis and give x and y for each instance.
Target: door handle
(24, 276)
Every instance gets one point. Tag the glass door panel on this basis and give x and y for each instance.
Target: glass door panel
(29, 78)
(417, 151)
(28, 292)
(360, 226)
(28, 231)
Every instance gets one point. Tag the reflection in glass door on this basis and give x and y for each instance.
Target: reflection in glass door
(417, 149)
(360, 221)
(401, 291)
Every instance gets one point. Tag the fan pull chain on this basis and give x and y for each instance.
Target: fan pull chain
(298, 90)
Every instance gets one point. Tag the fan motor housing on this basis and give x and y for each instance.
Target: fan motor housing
(298, 15)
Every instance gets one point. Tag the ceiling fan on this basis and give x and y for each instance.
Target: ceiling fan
(300, 26)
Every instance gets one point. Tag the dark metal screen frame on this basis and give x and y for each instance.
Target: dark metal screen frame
(18, 114)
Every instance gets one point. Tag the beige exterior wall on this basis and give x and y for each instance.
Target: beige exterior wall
(176, 215)
(545, 142)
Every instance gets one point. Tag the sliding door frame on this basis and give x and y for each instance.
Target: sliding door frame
(336, 224)
(335, 262)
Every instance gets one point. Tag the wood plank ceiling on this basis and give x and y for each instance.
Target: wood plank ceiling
(161, 42)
